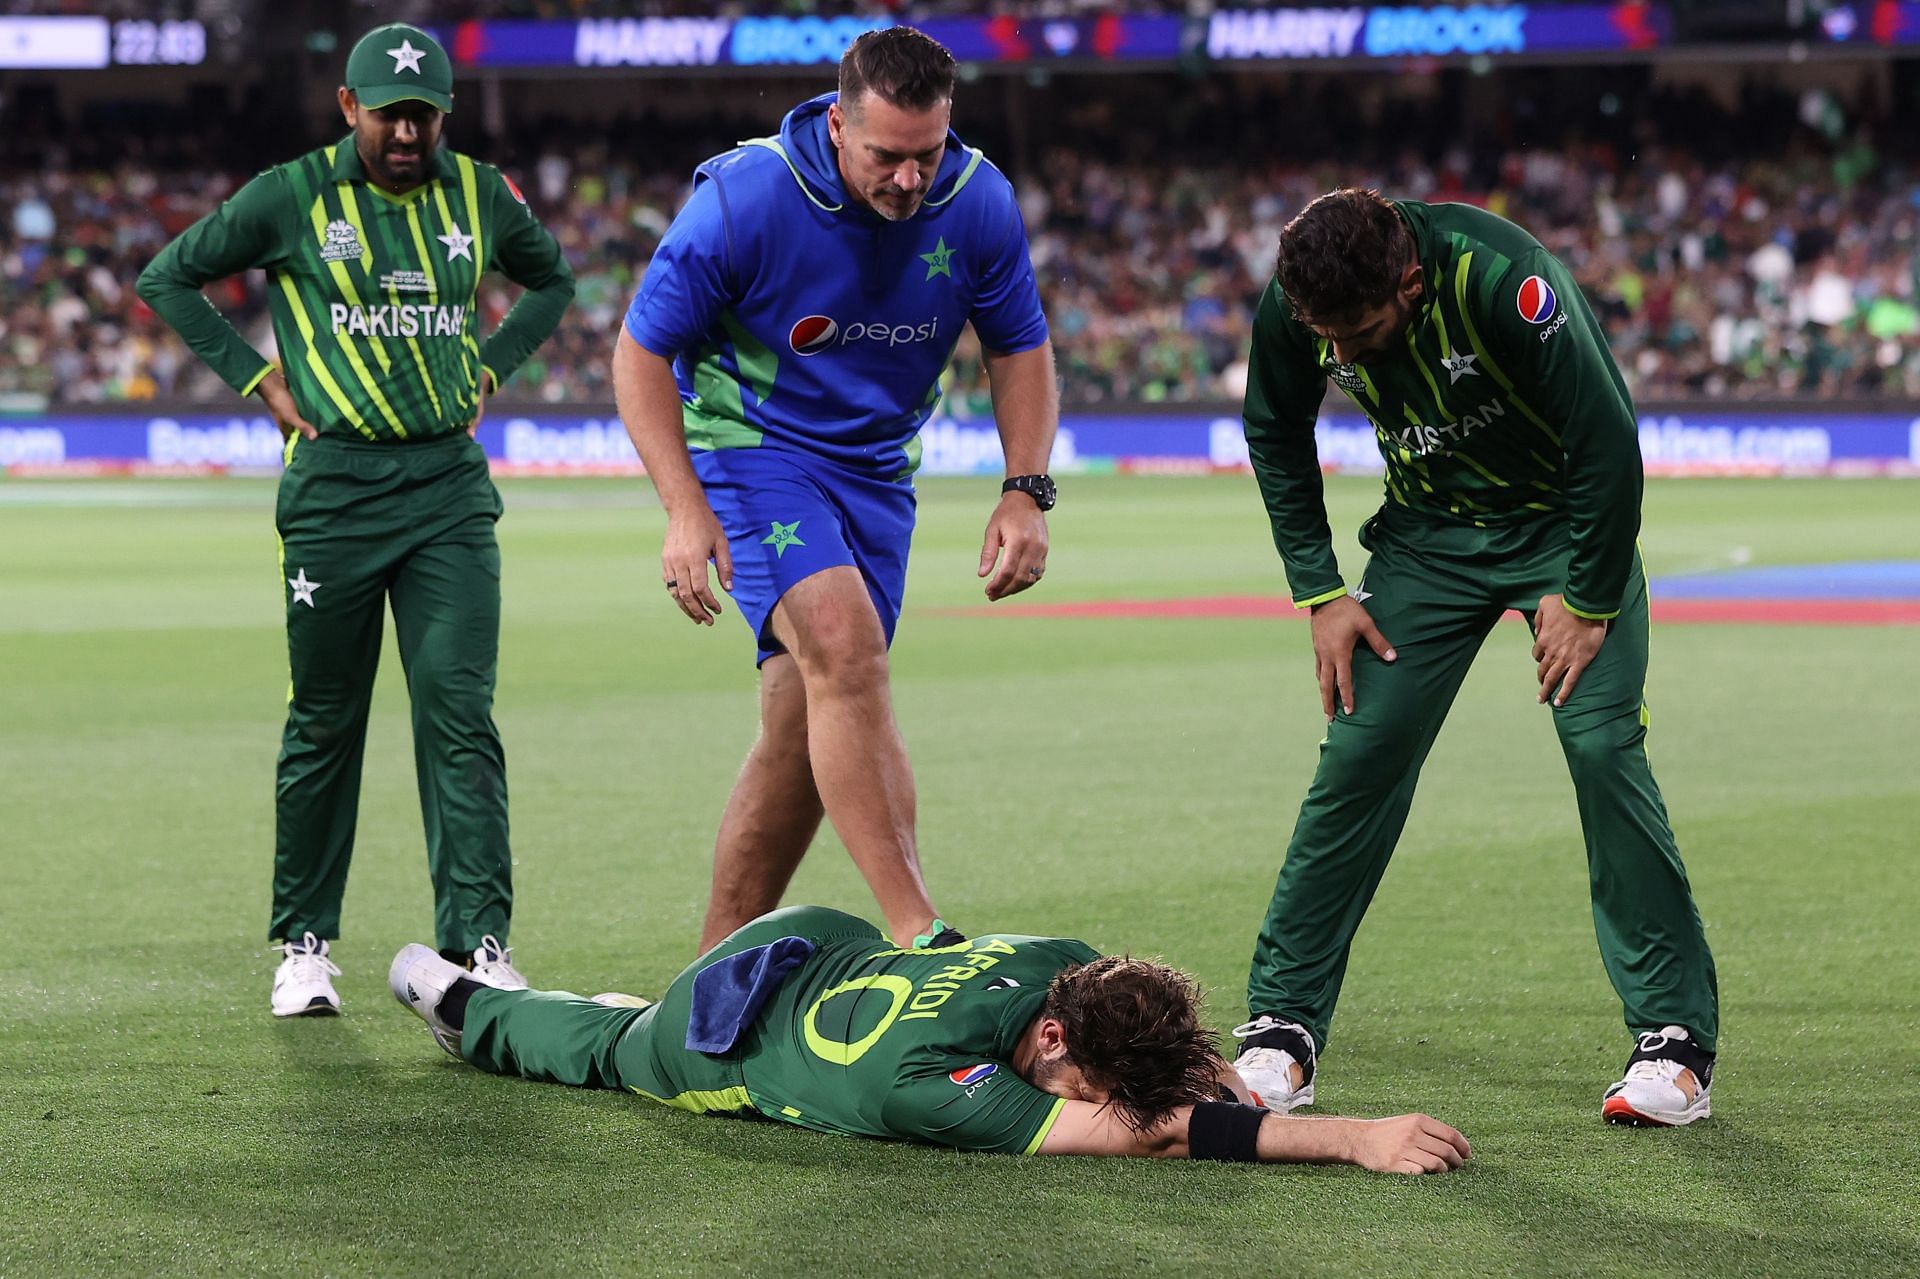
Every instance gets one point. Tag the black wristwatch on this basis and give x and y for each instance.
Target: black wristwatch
(1038, 487)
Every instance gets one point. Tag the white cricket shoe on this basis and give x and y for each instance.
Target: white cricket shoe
(1277, 1064)
(1669, 1082)
(493, 965)
(420, 979)
(303, 984)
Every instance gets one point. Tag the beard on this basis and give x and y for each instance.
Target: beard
(893, 204)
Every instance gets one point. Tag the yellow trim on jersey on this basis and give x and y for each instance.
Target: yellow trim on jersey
(469, 187)
(351, 207)
(1333, 594)
(1046, 1126)
(282, 543)
(699, 1102)
(318, 365)
(1591, 617)
(254, 383)
(411, 196)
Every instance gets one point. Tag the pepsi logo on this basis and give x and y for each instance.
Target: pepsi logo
(813, 335)
(1535, 300)
(967, 1076)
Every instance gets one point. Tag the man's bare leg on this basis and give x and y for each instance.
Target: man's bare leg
(773, 813)
(860, 768)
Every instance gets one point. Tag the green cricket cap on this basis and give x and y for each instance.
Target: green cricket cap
(400, 63)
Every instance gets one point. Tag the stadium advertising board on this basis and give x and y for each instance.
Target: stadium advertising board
(1706, 442)
(793, 41)
(1432, 31)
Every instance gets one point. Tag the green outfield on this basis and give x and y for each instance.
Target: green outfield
(1131, 782)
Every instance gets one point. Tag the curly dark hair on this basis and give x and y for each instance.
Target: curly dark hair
(1133, 1028)
(901, 66)
(1342, 255)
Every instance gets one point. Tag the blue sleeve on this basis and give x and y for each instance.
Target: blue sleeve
(1007, 314)
(687, 282)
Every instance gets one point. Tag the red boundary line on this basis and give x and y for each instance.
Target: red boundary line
(1756, 612)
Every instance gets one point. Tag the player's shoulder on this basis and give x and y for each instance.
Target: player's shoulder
(974, 183)
(1059, 952)
(1473, 227)
(1477, 247)
(1274, 320)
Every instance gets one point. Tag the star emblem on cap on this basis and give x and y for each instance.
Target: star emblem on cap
(459, 244)
(406, 57)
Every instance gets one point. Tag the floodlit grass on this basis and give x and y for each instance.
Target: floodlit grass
(1129, 782)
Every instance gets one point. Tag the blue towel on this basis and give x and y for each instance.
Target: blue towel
(729, 993)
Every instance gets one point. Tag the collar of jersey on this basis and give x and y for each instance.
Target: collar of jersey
(347, 168)
(974, 156)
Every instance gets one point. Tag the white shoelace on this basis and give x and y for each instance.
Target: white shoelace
(1257, 1026)
(306, 960)
(497, 962)
(1662, 1070)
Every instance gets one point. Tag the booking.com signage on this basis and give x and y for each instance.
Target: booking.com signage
(1709, 442)
(1431, 31)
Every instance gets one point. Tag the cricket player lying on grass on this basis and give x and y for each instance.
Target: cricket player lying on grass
(809, 1016)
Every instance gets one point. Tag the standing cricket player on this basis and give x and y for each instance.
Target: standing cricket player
(774, 371)
(373, 249)
(1513, 482)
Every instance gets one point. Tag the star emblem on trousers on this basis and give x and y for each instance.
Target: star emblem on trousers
(939, 261)
(459, 244)
(303, 589)
(783, 536)
(406, 57)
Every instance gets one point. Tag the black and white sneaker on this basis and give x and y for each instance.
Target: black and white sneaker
(303, 983)
(1669, 1082)
(419, 978)
(1276, 1060)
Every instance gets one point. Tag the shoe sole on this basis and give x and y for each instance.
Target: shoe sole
(1616, 1110)
(317, 1007)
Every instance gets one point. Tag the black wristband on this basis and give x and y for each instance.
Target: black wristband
(1225, 1130)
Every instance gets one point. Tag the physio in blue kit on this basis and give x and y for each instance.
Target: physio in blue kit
(779, 359)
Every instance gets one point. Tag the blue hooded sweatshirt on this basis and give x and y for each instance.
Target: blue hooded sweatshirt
(799, 319)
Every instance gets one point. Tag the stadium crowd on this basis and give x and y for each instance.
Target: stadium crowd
(1719, 271)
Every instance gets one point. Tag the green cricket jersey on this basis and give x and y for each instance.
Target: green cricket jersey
(372, 294)
(914, 1045)
(1505, 405)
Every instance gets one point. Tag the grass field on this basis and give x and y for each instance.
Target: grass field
(1132, 783)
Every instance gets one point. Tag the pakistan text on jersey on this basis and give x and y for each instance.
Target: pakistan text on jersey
(1422, 440)
(400, 320)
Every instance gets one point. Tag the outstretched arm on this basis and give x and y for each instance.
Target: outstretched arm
(1026, 410)
(1402, 1143)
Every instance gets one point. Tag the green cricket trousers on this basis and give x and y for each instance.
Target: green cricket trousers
(363, 525)
(1435, 591)
(556, 1037)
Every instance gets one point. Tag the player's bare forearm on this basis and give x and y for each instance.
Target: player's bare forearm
(1026, 406)
(649, 402)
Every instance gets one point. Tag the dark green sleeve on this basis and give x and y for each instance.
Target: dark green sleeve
(1564, 370)
(242, 233)
(1284, 388)
(999, 1111)
(526, 253)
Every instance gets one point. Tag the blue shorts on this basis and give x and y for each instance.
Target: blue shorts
(788, 516)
